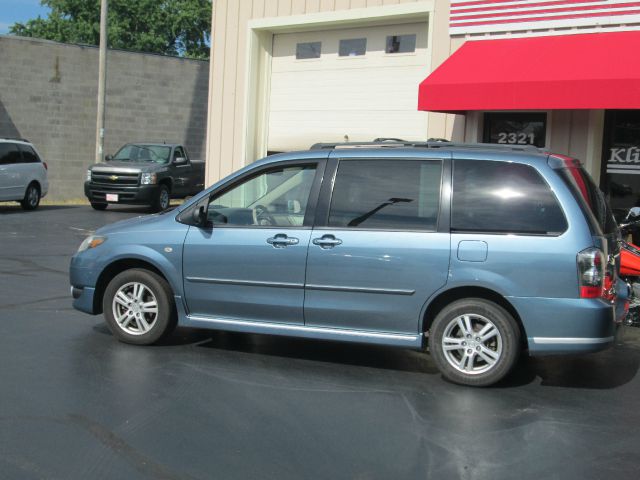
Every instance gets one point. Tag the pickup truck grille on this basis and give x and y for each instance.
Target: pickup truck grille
(115, 179)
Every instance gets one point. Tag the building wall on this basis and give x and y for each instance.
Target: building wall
(48, 95)
(231, 139)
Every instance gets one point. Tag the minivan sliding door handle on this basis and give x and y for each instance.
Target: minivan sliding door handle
(327, 241)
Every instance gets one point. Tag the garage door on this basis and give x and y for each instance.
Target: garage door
(351, 84)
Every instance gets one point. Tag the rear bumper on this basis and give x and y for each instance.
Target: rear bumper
(566, 325)
(135, 195)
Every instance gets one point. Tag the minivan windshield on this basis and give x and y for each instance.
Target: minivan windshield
(143, 153)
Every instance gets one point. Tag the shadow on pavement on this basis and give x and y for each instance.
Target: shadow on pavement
(12, 209)
(596, 371)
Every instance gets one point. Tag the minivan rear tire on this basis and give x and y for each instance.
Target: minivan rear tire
(31, 198)
(466, 355)
(131, 317)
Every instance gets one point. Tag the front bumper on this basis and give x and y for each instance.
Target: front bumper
(134, 195)
(83, 298)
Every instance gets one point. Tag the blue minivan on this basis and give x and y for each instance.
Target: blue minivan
(474, 252)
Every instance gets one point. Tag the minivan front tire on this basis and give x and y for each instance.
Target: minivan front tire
(474, 342)
(139, 307)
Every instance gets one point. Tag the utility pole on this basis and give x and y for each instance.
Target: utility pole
(102, 80)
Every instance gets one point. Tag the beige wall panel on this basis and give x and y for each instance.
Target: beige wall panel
(359, 3)
(229, 88)
(298, 7)
(270, 8)
(313, 6)
(327, 5)
(374, 3)
(257, 10)
(241, 71)
(342, 4)
(216, 87)
(284, 7)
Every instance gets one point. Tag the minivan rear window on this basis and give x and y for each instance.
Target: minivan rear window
(503, 198)
(589, 196)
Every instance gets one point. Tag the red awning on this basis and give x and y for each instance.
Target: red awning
(584, 71)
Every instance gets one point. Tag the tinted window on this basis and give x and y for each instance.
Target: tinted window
(401, 43)
(589, 196)
(503, 197)
(353, 47)
(9, 154)
(28, 154)
(392, 195)
(308, 50)
(276, 197)
(178, 153)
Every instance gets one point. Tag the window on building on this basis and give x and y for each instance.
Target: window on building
(515, 128)
(353, 47)
(9, 154)
(620, 174)
(308, 50)
(503, 197)
(401, 43)
(388, 195)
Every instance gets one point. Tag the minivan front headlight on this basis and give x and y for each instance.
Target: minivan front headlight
(148, 179)
(92, 241)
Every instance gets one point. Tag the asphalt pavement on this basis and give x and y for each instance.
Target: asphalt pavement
(75, 403)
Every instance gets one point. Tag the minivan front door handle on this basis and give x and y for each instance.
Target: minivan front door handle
(327, 241)
(281, 240)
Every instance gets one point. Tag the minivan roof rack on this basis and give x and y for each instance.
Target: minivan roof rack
(384, 142)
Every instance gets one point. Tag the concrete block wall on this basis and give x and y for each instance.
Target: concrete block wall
(48, 95)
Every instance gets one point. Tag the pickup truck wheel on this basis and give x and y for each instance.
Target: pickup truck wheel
(162, 199)
(31, 198)
(474, 342)
(139, 307)
(99, 206)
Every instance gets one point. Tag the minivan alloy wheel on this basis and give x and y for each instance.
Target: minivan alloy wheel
(472, 344)
(135, 308)
(32, 197)
(474, 341)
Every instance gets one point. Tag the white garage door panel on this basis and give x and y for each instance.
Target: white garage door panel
(382, 89)
(362, 97)
(301, 131)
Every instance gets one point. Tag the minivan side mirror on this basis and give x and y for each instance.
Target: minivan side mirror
(199, 215)
(108, 158)
(180, 160)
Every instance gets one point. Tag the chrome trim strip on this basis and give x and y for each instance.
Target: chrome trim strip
(571, 340)
(304, 331)
(384, 291)
(115, 170)
(245, 283)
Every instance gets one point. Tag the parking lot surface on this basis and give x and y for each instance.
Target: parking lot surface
(75, 403)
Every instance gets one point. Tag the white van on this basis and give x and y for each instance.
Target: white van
(23, 175)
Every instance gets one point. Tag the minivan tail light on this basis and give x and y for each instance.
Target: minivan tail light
(591, 273)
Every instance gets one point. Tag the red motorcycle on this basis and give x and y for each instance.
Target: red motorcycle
(630, 264)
